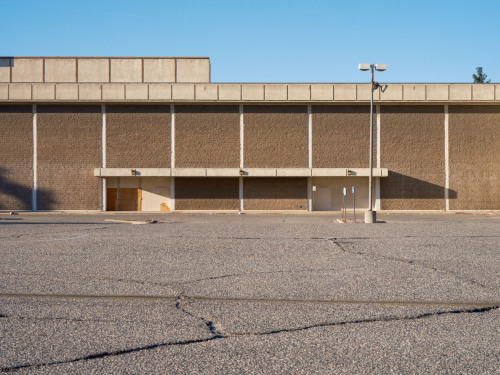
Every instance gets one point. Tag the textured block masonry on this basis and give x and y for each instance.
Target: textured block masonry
(16, 156)
(275, 194)
(137, 136)
(412, 148)
(275, 136)
(474, 134)
(340, 136)
(207, 136)
(206, 193)
(69, 148)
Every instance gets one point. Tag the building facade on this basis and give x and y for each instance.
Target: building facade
(154, 134)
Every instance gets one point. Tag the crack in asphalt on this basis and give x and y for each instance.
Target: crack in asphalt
(17, 236)
(322, 238)
(340, 245)
(373, 320)
(217, 330)
(217, 335)
(105, 354)
(214, 328)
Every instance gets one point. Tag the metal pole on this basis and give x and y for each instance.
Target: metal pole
(343, 205)
(369, 215)
(354, 204)
(370, 181)
(344, 211)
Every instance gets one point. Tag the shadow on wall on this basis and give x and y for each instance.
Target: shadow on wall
(20, 193)
(400, 186)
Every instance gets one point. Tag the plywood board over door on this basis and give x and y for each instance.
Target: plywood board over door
(126, 199)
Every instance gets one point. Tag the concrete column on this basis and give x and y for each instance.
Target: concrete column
(446, 158)
(309, 194)
(241, 194)
(377, 194)
(377, 124)
(35, 151)
(172, 136)
(242, 139)
(242, 135)
(309, 136)
(172, 193)
(309, 156)
(172, 156)
(103, 148)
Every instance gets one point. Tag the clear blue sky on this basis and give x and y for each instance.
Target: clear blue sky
(270, 41)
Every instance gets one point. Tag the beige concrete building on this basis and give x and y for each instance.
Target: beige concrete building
(154, 134)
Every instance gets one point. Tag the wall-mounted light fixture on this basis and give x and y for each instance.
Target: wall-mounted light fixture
(133, 172)
(242, 172)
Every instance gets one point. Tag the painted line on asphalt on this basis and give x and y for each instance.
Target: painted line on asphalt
(255, 300)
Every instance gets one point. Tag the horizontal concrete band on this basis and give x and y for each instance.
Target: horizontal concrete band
(229, 92)
(104, 69)
(236, 172)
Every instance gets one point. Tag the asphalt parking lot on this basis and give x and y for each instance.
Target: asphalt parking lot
(260, 294)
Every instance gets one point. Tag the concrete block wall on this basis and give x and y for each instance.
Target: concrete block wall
(284, 193)
(340, 135)
(422, 173)
(474, 157)
(275, 137)
(68, 148)
(206, 193)
(104, 69)
(16, 157)
(207, 136)
(137, 136)
(412, 148)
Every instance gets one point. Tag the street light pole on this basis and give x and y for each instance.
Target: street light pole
(370, 214)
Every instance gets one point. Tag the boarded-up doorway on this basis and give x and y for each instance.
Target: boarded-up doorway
(125, 199)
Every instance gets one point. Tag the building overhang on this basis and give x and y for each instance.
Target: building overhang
(237, 172)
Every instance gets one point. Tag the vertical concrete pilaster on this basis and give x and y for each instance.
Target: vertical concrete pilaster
(309, 156)
(172, 136)
(309, 193)
(242, 139)
(378, 135)
(242, 135)
(34, 182)
(240, 207)
(172, 156)
(309, 136)
(103, 148)
(446, 158)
